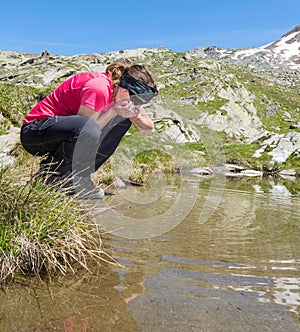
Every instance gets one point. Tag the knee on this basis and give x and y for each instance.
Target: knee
(91, 130)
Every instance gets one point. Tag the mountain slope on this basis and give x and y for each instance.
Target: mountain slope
(288, 46)
(225, 91)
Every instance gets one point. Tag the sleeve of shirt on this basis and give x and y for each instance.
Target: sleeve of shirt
(95, 94)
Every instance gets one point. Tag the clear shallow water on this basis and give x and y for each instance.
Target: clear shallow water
(225, 256)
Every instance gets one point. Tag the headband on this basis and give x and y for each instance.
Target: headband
(140, 92)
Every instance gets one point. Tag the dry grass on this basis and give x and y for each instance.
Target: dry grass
(43, 231)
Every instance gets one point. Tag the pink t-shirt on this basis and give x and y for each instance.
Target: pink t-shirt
(91, 89)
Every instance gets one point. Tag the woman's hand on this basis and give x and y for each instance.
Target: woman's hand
(136, 113)
(126, 108)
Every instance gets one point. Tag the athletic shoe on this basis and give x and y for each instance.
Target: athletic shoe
(81, 187)
(84, 188)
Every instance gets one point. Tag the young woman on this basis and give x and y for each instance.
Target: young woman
(80, 124)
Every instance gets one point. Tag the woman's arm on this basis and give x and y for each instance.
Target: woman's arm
(136, 114)
(102, 119)
(143, 122)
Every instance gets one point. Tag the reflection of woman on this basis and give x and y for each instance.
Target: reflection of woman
(80, 124)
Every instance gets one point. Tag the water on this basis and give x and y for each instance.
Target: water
(197, 256)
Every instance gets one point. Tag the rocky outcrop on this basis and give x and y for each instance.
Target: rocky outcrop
(237, 118)
(280, 147)
(7, 144)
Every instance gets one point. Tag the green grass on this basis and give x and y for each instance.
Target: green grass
(242, 154)
(293, 162)
(16, 101)
(150, 161)
(212, 106)
(3, 131)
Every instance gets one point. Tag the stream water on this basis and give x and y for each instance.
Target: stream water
(196, 255)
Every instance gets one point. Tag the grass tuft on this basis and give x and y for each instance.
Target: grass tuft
(43, 231)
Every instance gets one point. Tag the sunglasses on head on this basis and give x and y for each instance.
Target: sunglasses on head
(140, 92)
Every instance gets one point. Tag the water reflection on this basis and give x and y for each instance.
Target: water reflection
(88, 302)
(241, 268)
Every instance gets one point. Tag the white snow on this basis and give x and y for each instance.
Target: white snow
(285, 52)
(245, 53)
(285, 49)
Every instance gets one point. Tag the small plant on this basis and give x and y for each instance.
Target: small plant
(154, 160)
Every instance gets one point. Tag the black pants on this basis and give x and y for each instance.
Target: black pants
(73, 143)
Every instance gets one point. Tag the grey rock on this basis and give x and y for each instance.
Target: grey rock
(289, 174)
(7, 144)
(197, 171)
